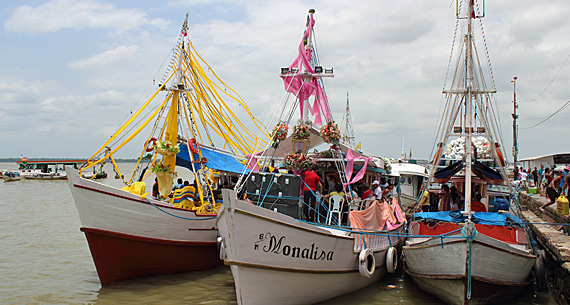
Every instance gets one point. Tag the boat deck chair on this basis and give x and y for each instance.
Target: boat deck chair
(335, 207)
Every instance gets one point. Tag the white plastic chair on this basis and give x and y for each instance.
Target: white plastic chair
(335, 207)
(355, 205)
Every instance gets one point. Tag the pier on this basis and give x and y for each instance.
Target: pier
(552, 232)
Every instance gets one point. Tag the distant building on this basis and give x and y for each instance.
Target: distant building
(550, 161)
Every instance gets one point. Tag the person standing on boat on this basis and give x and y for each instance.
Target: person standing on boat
(424, 202)
(477, 205)
(444, 198)
(155, 188)
(377, 190)
(387, 193)
(312, 185)
(366, 193)
(455, 198)
(178, 184)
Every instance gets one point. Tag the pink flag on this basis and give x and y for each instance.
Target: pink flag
(252, 162)
(350, 157)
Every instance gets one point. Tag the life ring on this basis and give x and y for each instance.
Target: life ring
(499, 154)
(194, 146)
(221, 248)
(391, 260)
(151, 147)
(366, 263)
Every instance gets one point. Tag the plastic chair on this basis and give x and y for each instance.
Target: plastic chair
(335, 206)
(355, 205)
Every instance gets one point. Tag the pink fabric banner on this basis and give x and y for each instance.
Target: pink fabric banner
(252, 162)
(350, 157)
(304, 89)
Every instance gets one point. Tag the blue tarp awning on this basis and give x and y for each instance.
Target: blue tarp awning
(216, 160)
(487, 218)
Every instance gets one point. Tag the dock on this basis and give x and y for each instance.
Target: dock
(552, 232)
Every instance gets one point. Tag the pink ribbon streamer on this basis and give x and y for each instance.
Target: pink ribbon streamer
(350, 157)
(252, 162)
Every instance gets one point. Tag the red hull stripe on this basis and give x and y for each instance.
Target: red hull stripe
(121, 257)
(502, 233)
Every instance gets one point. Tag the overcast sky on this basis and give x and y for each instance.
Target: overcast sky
(71, 70)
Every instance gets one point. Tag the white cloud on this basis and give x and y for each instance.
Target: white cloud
(56, 15)
(390, 55)
(113, 56)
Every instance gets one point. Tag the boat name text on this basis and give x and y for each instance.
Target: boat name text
(269, 243)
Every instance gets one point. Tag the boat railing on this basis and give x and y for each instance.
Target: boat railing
(360, 204)
(374, 241)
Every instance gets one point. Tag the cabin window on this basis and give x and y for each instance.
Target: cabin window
(402, 180)
(409, 180)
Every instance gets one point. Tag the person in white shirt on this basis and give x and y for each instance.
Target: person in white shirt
(377, 190)
(523, 175)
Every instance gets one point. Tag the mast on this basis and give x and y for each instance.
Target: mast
(469, 102)
(348, 132)
(515, 117)
(177, 88)
(303, 78)
(306, 78)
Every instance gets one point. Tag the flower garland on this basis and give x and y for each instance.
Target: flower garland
(331, 133)
(160, 168)
(387, 165)
(301, 132)
(166, 146)
(298, 162)
(279, 132)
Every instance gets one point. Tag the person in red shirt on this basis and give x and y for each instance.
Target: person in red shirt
(367, 193)
(477, 205)
(311, 186)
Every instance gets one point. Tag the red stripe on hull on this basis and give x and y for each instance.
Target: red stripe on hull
(120, 257)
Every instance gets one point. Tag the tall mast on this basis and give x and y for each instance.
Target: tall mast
(305, 117)
(348, 132)
(515, 117)
(177, 88)
(469, 102)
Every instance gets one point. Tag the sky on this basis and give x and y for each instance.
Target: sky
(72, 70)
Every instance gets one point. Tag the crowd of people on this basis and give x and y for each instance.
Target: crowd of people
(557, 183)
(317, 193)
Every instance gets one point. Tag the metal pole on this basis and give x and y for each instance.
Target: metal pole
(515, 117)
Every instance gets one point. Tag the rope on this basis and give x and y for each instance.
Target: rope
(469, 240)
(182, 217)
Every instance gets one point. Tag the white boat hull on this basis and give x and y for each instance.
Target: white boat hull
(276, 259)
(130, 237)
(498, 270)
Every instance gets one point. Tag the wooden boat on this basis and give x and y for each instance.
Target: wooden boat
(35, 175)
(9, 176)
(276, 254)
(132, 233)
(470, 256)
(52, 169)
